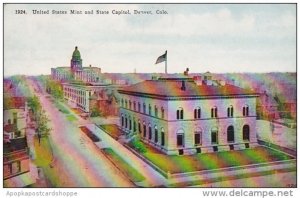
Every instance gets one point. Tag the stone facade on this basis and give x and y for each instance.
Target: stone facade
(190, 123)
(86, 97)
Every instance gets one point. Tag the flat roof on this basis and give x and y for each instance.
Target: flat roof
(172, 88)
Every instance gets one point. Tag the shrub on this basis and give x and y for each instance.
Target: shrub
(138, 145)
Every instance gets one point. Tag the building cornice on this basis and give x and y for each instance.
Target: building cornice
(196, 97)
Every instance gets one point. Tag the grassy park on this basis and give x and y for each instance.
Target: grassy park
(126, 168)
(112, 130)
(209, 161)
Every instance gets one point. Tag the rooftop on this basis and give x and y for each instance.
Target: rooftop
(173, 88)
(14, 103)
(16, 144)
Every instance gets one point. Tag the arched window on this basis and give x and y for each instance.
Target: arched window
(134, 125)
(125, 121)
(144, 129)
(180, 138)
(179, 114)
(122, 120)
(155, 111)
(246, 133)
(214, 112)
(162, 113)
(129, 123)
(126, 106)
(139, 107)
(139, 127)
(122, 102)
(198, 136)
(130, 104)
(230, 134)
(246, 110)
(155, 134)
(150, 132)
(197, 113)
(162, 137)
(230, 111)
(214, 135)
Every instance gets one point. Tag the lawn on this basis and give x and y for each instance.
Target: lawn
(208, 161)
(128, 170)
(61, 107)
(43, 154)
(112, 130)
(71, 118)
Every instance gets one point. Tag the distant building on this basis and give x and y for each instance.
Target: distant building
(18, 170)
(186, 116)
(14, 117)
(86, 97)
(76, 71)
(267, 107)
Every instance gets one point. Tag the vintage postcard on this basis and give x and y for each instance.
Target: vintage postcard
(150, 95)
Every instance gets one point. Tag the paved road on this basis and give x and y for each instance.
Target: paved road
(83, 165)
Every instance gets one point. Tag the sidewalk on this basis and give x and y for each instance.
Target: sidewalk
(153, 178)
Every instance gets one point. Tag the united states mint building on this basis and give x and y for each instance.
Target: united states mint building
(184, 116)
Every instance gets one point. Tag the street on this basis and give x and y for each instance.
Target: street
(77, 159)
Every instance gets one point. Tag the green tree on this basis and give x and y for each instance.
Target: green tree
(96, 112)
(54, 88)
(39, 115)
(34, 104)
(42, 123)
(138, 145)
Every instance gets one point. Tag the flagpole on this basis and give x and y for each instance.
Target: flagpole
(166, 63)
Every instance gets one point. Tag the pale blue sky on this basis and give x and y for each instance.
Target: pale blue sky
(204, 37)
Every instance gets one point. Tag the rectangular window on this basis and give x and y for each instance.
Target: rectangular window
(214, 138)
(197, 138)
(150, 133)
(144, 131)
(155, 136)
(15, 118)
(179, 139)
(162, 138)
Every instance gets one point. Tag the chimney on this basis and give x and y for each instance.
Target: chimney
(182, 85)
(186, 72)
(222, 82)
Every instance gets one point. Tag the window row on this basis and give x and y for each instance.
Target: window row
(214, 136)
(144, 131)
(214, 112)
(137, 107)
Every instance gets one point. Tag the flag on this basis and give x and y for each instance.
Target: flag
(162, 58)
